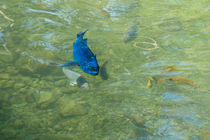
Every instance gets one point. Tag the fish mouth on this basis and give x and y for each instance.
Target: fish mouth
(95, 74)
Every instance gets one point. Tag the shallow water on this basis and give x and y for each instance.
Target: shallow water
(37, 101)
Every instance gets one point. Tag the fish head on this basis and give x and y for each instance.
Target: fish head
(91, 67)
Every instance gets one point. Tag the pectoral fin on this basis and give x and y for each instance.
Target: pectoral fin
(69, 63)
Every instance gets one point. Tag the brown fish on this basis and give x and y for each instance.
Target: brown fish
(160, 77)
(182, 80)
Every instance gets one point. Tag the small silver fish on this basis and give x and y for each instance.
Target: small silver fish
(76, 79)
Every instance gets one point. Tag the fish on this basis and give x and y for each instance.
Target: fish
(151, 81)
(132, 33)
(159, 78)
(83, 56)
(76, 79)
(182, 80)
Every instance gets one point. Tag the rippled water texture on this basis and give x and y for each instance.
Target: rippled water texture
(155, 76)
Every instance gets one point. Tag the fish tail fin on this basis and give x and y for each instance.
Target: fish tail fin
(81, 34)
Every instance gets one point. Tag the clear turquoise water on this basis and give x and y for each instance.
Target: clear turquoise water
(38, 103)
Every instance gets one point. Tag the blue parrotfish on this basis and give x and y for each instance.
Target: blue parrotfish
(83, 56)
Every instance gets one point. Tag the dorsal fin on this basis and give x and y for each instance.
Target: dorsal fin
(81, 34)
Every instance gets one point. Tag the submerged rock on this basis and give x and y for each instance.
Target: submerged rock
(7, 83)
(18, 124)
(33, 124)
(30, 98)
(31, 68)
(8, 132)
(4, 98)
(16, 99)
(4, 76)
(73, 109)
(60, 83)
(19, 85)
(47, 99)
(57, 127)
(6, 57)
(12, 70)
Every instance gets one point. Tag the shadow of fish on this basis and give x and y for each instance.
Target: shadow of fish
(132, 33)
(103, 72)
(83, 56)
(76, 79)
